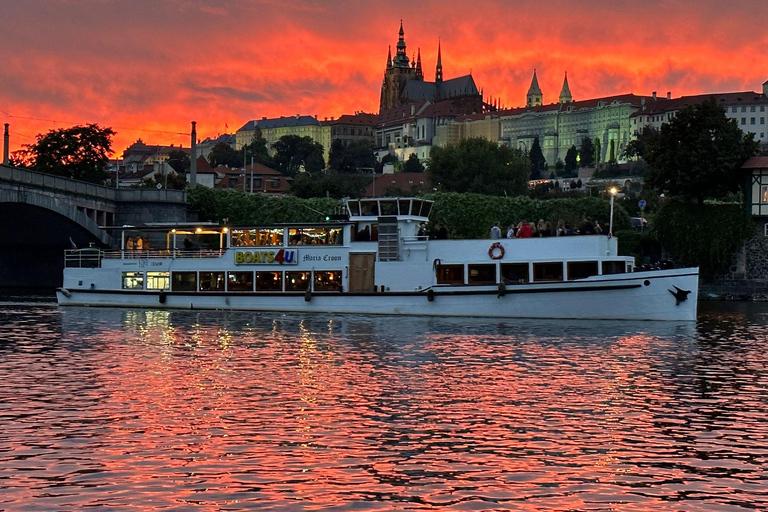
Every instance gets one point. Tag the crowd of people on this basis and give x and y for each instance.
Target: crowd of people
(140, 244)
(543, 228)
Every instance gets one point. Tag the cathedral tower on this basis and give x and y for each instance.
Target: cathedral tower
(534, 97)
(399, 71)
(565, 93)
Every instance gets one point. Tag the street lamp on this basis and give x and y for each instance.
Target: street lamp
(613, 191)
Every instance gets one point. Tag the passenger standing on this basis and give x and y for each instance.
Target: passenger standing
(129, 244)
(495, 231)
(560, 230)
(139, 243)
(511, 231)
(525, 230)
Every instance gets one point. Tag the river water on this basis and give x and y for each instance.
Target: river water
(185, 410)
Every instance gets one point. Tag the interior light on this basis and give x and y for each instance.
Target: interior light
(199, 230)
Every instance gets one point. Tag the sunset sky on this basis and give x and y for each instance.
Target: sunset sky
(147, 68)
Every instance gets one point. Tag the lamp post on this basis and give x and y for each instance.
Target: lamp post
(613, 191)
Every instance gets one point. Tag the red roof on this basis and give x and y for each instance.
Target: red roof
(756, 162)
(359, 119)
(728, 98)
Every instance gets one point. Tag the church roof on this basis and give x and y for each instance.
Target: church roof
(460, 86)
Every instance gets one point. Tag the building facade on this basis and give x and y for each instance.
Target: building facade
(273, 129)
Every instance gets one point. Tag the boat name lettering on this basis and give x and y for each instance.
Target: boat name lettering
(324, 257)
(283, 257)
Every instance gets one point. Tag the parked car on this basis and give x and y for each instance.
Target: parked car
(638, 223)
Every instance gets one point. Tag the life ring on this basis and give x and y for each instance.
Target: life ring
(493, 253)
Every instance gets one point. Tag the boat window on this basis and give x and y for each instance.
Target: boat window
(481, 274)
(514, 273)
(328, 281)
(297, 281)
(450, 274)
(426, 208)
(354, 208)
(314, 236)
(211, 281)
(184, 281)
(405, 207)
(269, 281)
(581, 269)
(158, 280)
(614, 267)
(388, 208)
(369, 208)
(548, 271)
(240, 281)
(415, 207)
(252, 237)
(133, 280)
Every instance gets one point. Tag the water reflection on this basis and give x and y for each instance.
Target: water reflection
(157, 410)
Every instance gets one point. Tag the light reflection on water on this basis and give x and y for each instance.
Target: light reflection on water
(182, 410)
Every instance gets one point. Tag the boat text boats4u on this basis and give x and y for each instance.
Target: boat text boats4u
(373, 261)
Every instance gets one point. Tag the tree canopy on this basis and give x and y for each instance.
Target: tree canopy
(586, 153)
(224, 154)
(478, 165)
(698, 154)
(413, 164)
(293, 152)
(356, 155)
(179, 161)
(571, 161)
(79, 152)
(538, 162)
(257, 149)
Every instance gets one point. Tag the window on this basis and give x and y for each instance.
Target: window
(743, 120)
(450, 274)
(269, 281)
(133, 280)
(158, 280)
(764, 194)
(328, 281)
(614, 267)
(184, 281)
(276, 183)
(481, 274)
(581, 269)
(751, 120)
(514, 273)
(211, 281)
(762, 120)
(762, 108)
(734, 109)
(261, 236)
(297, 281)
(240, 281)
(256, 182)
(314, 236)
(752, 108)
(548, 271)
(744, 109)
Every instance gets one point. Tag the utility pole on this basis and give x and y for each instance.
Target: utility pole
(193, 160)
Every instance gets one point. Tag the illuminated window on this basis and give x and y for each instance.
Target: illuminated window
(240, 281)
(269, 281)
(184, 281)
(133, 280)
(314, 236)
(253, 237)
(329, 281)
(297, 281)
(158, 280)
(764, 194)
(450, 274)
(211, 281)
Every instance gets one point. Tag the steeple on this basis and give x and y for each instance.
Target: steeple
(534, 97)
(419, 73)
(389, 57)
(401, 59)
(565, 93)
(439, 67)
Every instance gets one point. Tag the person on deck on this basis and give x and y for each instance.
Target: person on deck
(495, 231)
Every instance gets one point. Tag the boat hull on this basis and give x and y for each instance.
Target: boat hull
(653, 295)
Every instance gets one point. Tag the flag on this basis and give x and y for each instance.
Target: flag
(72, 243)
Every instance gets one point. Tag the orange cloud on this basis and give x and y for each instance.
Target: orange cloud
(149, 67)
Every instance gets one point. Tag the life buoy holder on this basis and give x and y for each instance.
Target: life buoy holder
(496, 251)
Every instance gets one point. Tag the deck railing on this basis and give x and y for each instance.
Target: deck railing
(92, 257)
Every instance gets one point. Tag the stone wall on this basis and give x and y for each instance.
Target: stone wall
(747, 278)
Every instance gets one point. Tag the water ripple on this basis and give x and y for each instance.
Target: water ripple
(186, 410)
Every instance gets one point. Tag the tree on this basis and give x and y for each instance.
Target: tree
(80, 152)
(170, 180)
(479, 165)
(538, 163)
(224, 154)
(293, 152)
(586, 152)
(571, 161)
(413, 164)
(179, 161)
(257, 149)
(698, 154)
(357, 155)
(332, 184)
(637, 148)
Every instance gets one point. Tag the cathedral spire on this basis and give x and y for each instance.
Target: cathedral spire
(534, 97)
(565, 93)
(439, 67)
(389, 57)
(419, 72)
(401, 59)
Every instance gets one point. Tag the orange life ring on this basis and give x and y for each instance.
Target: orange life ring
(496, 255)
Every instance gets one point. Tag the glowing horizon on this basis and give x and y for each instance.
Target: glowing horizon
(150, 68)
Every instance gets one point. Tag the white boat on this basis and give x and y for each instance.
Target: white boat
(373, 261)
